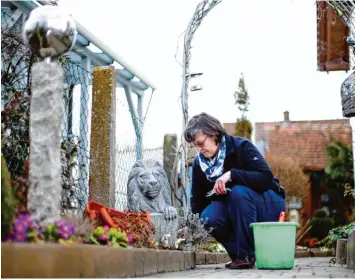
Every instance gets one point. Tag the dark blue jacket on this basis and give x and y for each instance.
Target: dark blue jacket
(248, 167)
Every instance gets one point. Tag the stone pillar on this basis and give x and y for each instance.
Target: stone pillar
(169, 151)
(46, 113)
(340, 252)
(351, 251)
(103, 133)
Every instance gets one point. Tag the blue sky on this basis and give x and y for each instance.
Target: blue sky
(272, 42)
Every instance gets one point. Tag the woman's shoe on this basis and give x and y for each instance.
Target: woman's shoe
(227, 265)
(242, 263)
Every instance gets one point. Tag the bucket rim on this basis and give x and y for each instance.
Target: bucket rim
(295, 224)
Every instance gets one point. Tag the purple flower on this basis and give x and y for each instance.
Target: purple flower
(24, 216)
(65, 229)
(103, 237)
(64, 235)
(130, 239)
(19, 226)
(59, 223)
(22, 222)
(19, 237)
(28, 222)
(72, 229)
(106, 228)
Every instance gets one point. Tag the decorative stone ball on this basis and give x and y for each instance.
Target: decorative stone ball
(49, 31)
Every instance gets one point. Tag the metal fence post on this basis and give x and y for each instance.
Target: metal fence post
(84, 137)
(137, 121)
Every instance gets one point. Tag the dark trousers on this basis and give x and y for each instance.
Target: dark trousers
(231, 215)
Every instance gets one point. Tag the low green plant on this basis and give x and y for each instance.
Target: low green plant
(213, 247)
(103, 235)
(337, 233)
(349, 190)
(23, 229)
(61, 231)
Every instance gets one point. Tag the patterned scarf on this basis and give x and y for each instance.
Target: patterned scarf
(213, 168)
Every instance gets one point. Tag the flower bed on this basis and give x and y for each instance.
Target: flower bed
(89, 246)
(103, 227)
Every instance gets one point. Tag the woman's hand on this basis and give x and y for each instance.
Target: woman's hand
(220, 185)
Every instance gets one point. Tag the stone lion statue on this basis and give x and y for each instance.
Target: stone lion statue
(149, 189)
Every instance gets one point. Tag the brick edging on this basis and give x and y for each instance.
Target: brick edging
(83, 261)
(211, 258)
(76, 261)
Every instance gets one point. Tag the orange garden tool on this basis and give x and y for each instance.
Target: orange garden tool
(282, 217)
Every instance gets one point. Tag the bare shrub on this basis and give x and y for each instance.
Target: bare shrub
(291, 176)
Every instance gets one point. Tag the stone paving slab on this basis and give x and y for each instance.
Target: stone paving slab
(219, 258)
(315, 267)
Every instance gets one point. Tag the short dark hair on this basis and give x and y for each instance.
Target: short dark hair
(206, 124)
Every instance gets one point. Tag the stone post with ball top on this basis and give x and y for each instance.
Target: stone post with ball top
(49, 33)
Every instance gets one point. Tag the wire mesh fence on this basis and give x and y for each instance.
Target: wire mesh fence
(17, 61)
(16, 64)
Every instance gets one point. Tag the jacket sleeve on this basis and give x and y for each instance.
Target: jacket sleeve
(194, 201)
(255, 172)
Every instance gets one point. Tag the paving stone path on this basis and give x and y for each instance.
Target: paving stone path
(304, 268)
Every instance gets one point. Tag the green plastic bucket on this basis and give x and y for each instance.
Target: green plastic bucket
(275, 244)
